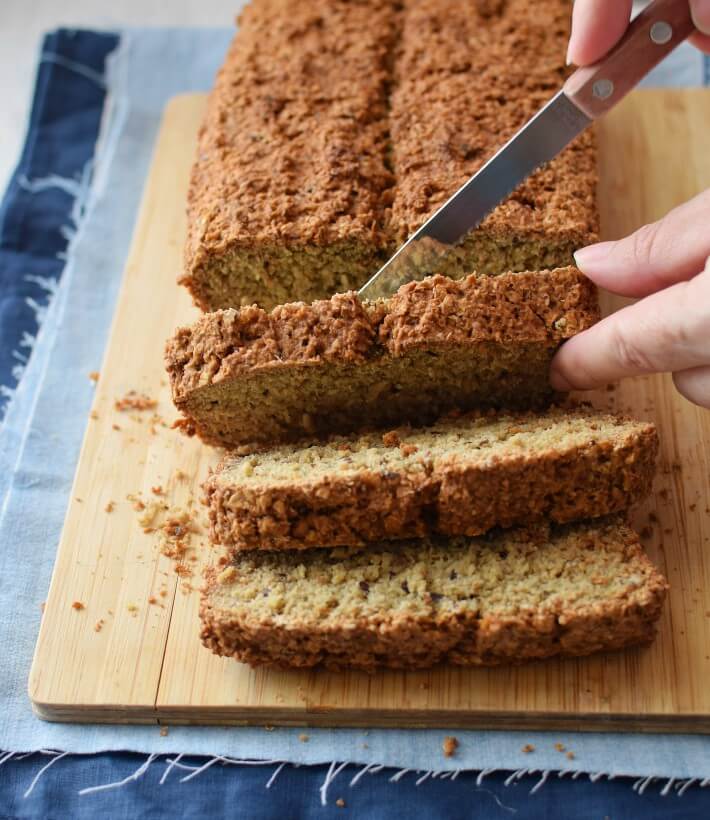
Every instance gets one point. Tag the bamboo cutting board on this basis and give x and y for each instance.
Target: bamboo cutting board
(119, 636)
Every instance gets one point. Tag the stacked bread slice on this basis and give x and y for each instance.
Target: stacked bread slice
(361, 530)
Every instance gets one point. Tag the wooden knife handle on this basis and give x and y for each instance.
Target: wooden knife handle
(653, 34)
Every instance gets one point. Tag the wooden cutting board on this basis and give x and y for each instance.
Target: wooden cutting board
(119, 636)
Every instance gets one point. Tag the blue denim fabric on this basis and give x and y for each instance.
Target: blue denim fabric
(229, 791)
(63, 126)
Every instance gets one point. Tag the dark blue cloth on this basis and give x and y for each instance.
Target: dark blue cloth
(64, 123)
(240, 791)
(63, 128)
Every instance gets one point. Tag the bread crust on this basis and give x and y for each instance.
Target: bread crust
(398, 640)
(449, 496)
(335, 129)
(519, 317)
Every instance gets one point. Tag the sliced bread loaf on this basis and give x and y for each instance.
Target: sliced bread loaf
(336, 128)
(461, 476)
(248, 378)
(513, 596)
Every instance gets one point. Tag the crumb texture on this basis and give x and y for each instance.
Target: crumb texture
(509, 597)
(461, 476)
(336, 128)
(249, 378)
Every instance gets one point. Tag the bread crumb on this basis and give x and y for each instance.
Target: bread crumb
(80, 500)
(116, 426)
(268, 728)
(78, 606)
(152, 600)
(109, 507)
(98, 625)
(408, 449)
(391, 439)
(163, 731)
(135, 401)
(93, 415)
(304, 738)
(163, 593)
(227, 575)
(340, 803)
(450, 745)
(527, 748)
(692, 507)
(136, 501)
(133, 609)
(180, 475)
(570, 755)
(94, 376)
(560, 747)
(157, 490)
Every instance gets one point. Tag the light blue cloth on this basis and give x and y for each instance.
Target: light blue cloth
(42, 435)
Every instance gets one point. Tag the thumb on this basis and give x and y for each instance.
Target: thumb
(700, 12)
(667, 331)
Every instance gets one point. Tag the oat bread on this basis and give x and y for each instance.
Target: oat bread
(513, 596)
(467, 76)
(290, 183)
(461, 476)
(336, 128)
(248, 378)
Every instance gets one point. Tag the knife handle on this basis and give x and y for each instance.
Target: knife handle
(651, 36)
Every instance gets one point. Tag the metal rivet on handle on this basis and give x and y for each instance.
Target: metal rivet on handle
(602, 89)
(661, 33)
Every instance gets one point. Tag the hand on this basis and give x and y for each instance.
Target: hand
(668, 263)
(597, 26)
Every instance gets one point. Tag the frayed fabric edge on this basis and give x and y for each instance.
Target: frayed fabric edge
(666, 786)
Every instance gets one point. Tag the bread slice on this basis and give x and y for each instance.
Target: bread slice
(336, 128)
(513, 596)
(462, 476)
(249, 378)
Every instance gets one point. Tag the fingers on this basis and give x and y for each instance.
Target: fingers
(597, 25)
(694, 384)
(671, 250)
(701, 41)
(700, 12)
(665, 332)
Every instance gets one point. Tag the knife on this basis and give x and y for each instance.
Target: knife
(587, 94)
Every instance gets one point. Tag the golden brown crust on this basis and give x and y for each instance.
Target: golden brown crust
(464, 636)
(450, 496)
(469, 75)
(336, 129)
(504, 330)
(292, 151)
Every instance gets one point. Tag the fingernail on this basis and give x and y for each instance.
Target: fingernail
(568, 59)
(593, 255)
(700, 12)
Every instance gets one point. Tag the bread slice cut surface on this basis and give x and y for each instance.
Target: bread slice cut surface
(250, 379)
(513, 596)
(460, 476)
